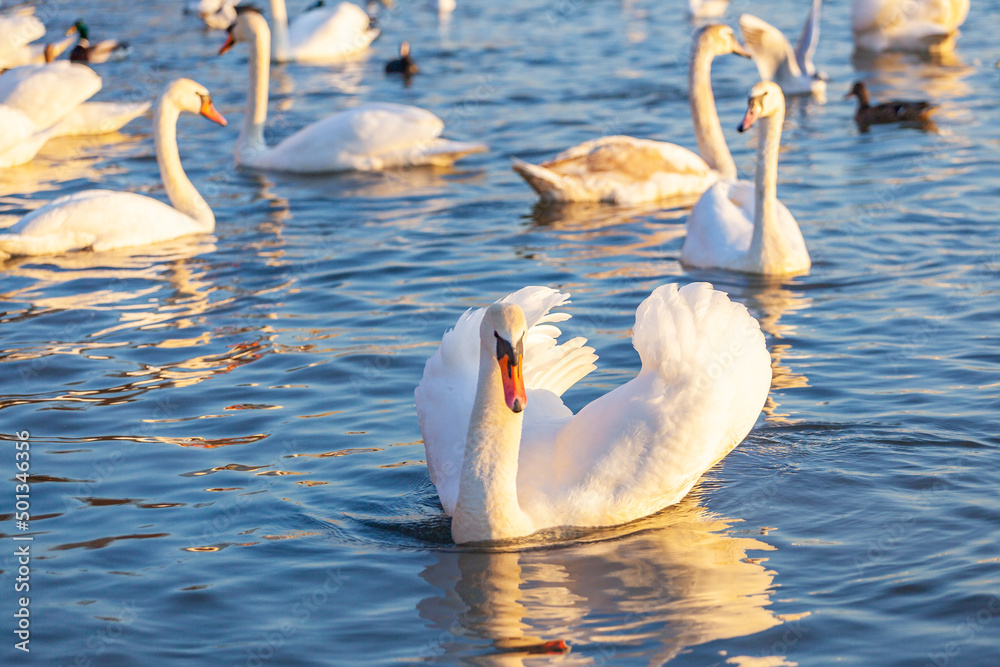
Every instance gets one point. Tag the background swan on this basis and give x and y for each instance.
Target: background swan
(104, 219)
(707, 9)
(509, 458)
(321, 32)
(742, 228)
(217, 14)
(794, 70)
(16, 31)
(907, 25)
(366, 138)
(621, 169)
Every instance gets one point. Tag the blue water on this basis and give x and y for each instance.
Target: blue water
(226, 464)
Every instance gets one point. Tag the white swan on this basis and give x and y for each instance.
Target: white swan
(103, 219)
(217, 14)
(707, 9)
(321, 33)
(367, 138)
(623, 170)
(928, 26)
(54, 98)
(508, 458)
(740, 227)
(794, 70)
(16, 31)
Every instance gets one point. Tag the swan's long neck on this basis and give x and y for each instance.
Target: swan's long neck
(707, 128)
(279, 22)
(768, 240)
(250, 144)
(181, 192)
(487, 507)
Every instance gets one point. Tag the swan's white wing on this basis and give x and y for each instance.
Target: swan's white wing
(15, 127)
(719, 226)
(101, 219)
(705, 375)
(16, 31)
(373, 136)
(771, 51)
(447, 389)
(325, 32)
(805, 48)
(99, 118)
(46, 93)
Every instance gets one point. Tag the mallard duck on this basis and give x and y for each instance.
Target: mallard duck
(894, 111)
(101, 52)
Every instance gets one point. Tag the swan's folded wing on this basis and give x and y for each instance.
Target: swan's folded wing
(447, 389)
(771, 51)
(324, 32)
(48, 92)
(99, 118)
(636, 158)
(705, 375)
(805, 48)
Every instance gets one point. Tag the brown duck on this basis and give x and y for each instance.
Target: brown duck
(895, 111)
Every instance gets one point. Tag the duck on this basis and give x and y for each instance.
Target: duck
(54, 99)
(404, 64)
(101, 52)
(895, 111)
(794, 70)
(922, 26)
(741, 227)
(370, 137)
(624, 170)
(17, 31)
(321, 33)
(106, 220)
(508, 458)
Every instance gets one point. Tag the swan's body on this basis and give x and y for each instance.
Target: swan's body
(105, 220)
(707, 9)
(623, 170)
(320, 33)
(793, 70)
(745, 228)
(367, 138)
(928, 26)
(54, 98)
(508, 458)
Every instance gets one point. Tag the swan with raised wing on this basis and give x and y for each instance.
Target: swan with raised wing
(370, 137)
(508, 458)
(923, 26)
(741, 226)
(793, 70)
(105, 219)
(624, 170)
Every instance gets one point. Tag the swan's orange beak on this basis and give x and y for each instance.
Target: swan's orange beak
(209, 111)
(513, 382)
(751, 116)
(229, 43)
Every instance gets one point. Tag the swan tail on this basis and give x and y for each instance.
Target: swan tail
(549, 185)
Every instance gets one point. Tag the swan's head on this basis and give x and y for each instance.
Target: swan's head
(766, 99)
(191, 96)
(502, 336)
(249, 22)
(719, 40)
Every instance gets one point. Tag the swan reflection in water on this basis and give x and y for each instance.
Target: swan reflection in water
(677, 579)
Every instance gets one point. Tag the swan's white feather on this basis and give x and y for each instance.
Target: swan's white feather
(99, 118)
(16, 31)
(330, 32)
(46, 93)
(775, 59)
(705, 374)
(907, 25)
(371, 137)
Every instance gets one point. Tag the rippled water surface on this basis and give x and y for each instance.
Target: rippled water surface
(226, 464)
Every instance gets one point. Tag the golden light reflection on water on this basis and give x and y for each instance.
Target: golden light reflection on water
(683, 579)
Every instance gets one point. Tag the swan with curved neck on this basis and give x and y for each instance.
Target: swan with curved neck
(365, 138)
(624, 170)
(104, 219)
(745, 228)
(508, 458)
(321, 33)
